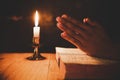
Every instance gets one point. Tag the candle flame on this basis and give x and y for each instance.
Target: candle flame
(36, 18)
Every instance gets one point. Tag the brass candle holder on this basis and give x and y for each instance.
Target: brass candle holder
(36, 54)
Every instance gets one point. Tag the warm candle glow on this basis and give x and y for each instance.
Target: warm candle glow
(36, 29)
(36, 18)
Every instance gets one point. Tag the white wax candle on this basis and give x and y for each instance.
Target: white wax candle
(36, 29)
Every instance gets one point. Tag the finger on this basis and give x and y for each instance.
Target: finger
(68, 18)
(65, 29)
(59, 25)
(90, 22)
(75, 22)
(75, 42)
(70, 28)
(94, 25)
(58, 19)
(70, 32)
(76, 34)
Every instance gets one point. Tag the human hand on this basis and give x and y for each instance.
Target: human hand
(88, 36)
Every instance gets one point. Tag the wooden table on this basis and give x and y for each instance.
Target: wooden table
(15, 66)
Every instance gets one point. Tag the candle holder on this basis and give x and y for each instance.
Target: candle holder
(36, 54)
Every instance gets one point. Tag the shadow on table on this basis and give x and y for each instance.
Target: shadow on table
(1, 77)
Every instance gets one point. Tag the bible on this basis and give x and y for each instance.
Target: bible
(76, 64)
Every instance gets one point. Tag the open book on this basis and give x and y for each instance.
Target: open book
(74, 64)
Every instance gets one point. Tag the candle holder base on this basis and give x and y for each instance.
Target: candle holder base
(36, 57)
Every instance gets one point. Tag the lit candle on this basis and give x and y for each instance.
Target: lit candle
(36, 29)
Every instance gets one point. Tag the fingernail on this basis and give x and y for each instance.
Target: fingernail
(85, 20)
(58, 24)
(63, 34)
(64, 16)
(58, 19)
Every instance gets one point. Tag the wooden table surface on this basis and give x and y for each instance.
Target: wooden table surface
(15, 66)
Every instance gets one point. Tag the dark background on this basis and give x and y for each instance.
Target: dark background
(17, 21)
